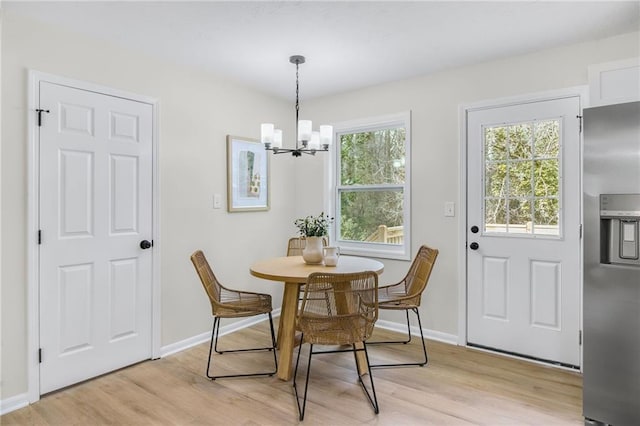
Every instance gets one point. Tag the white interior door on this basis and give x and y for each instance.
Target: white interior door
(95, 198)
(523, 237)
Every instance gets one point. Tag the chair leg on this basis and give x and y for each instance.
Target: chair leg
(421, 363)
(408, 340)
(273, 342)
(214, 347)
(214, 338)
(424, 345)
(216, 333)
(301, 410)
(371, 395)
(373, 399)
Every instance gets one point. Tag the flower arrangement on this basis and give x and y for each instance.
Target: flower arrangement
(314, 226)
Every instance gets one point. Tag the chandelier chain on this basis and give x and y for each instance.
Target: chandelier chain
(297, 101)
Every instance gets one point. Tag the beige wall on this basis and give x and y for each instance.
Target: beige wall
(197, 110)
(434, 101)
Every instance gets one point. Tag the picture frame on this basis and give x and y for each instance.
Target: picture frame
(248, 177)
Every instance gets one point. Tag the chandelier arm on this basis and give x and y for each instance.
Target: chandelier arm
(298, 151)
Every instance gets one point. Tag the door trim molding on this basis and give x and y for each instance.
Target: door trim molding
(33, 207)
(576, 91)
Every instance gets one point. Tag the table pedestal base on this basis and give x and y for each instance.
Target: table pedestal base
(287, 330)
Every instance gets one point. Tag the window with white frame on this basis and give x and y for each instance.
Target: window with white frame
(371, 186)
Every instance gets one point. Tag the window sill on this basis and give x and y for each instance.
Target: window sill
(374, 252)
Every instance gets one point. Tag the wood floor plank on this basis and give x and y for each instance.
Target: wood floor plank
(459, 386)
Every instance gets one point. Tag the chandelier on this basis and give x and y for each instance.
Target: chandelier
(307, 141)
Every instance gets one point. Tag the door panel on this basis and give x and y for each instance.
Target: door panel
(495, 296)
(523, 284)
(124, 285)
(124, 194)
(95, 207)
(546, 308)
(76, 285)
(76, 194)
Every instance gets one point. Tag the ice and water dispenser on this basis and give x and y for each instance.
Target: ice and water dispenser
(620, 229)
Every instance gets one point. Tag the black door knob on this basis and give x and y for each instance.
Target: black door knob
(474, 229)
(474, 246)
(144, 244)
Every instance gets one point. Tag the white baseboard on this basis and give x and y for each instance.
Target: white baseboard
(182, 345)
(452, 339)
(205, 337)
(13, 403)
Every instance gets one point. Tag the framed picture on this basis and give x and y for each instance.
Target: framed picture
(247, 175)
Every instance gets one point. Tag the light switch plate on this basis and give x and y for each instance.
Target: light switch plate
(449, 209)
(217, 201)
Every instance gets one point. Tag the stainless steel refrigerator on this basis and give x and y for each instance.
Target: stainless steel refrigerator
(611, 225)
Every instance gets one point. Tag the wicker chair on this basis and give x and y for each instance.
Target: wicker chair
(406, 295)
(227, 303)
(337, 309)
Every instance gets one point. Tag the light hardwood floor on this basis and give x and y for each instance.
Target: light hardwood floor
(459, 386)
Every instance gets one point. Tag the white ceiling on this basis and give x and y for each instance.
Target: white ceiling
(348, 44)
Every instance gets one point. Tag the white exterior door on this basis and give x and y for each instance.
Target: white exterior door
(95, 198)
(523, 236)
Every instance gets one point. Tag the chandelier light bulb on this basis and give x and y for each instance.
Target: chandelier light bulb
(314, 143)
(277, 138)
(304, 130)
(266, 133)
(326, 135)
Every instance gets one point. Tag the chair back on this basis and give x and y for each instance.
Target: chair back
(209, 281)
(297, 244)
(418, 276)
(339, 309)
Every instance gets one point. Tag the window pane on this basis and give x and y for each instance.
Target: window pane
(495, 143)
(372, 216)
(519, 216)
(547, 139)
(520, 178)
(520, 141)
(546, 178)
(495, 179)
(371, 158)
(546, 216)
(495, 215)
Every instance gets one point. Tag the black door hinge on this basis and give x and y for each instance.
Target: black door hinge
(39, 236)
(580, 337)
(40, 111)
(579, 117)
(40, 355)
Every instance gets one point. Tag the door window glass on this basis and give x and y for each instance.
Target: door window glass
(522, 178)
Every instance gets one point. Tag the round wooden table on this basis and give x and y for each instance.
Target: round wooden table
(293, 272)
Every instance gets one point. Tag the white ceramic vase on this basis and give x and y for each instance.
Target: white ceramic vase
(312, 252)
(331, 256)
